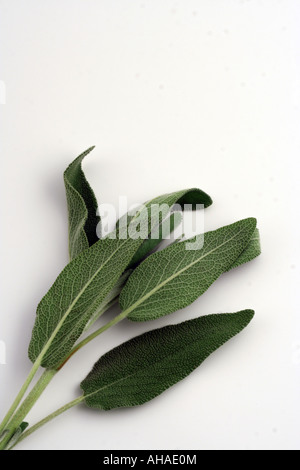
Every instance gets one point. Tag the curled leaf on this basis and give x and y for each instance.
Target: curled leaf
(82, 208)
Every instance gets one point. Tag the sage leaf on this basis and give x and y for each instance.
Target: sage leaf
(146, 366)
(82, 208)
(175, 277)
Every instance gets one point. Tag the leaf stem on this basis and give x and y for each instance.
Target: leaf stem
(20, 395)
(94, 335)
(44, 381)
(50, 417)
(23, 410)
(26, 406)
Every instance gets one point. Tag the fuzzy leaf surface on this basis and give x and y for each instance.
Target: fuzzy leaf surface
(175, 277)
(146, 366)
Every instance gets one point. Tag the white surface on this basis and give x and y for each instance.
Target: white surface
(174, 95)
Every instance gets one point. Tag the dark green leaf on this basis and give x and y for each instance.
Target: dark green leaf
(146, 366)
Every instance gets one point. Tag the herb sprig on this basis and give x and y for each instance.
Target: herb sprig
(147, 284)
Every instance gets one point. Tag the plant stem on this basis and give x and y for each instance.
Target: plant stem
(29, 379)
(20, 395)
(44, 381)
(46, 420)
(26, 406)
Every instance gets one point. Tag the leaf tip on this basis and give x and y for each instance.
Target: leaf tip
(253, 220)
(248, 314)
(250, 223)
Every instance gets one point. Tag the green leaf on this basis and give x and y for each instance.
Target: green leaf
(252, 250)
(146, 366)
(173, 278)
(82, 208)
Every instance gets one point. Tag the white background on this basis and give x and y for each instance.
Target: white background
(174, 94)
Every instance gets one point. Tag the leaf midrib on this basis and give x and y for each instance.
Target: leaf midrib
(169, 279)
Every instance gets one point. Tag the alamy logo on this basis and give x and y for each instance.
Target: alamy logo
(155, 221)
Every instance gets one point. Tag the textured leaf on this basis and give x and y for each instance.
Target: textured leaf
(173, 278)
(144, 367)
(252, 250)
(82, 207)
